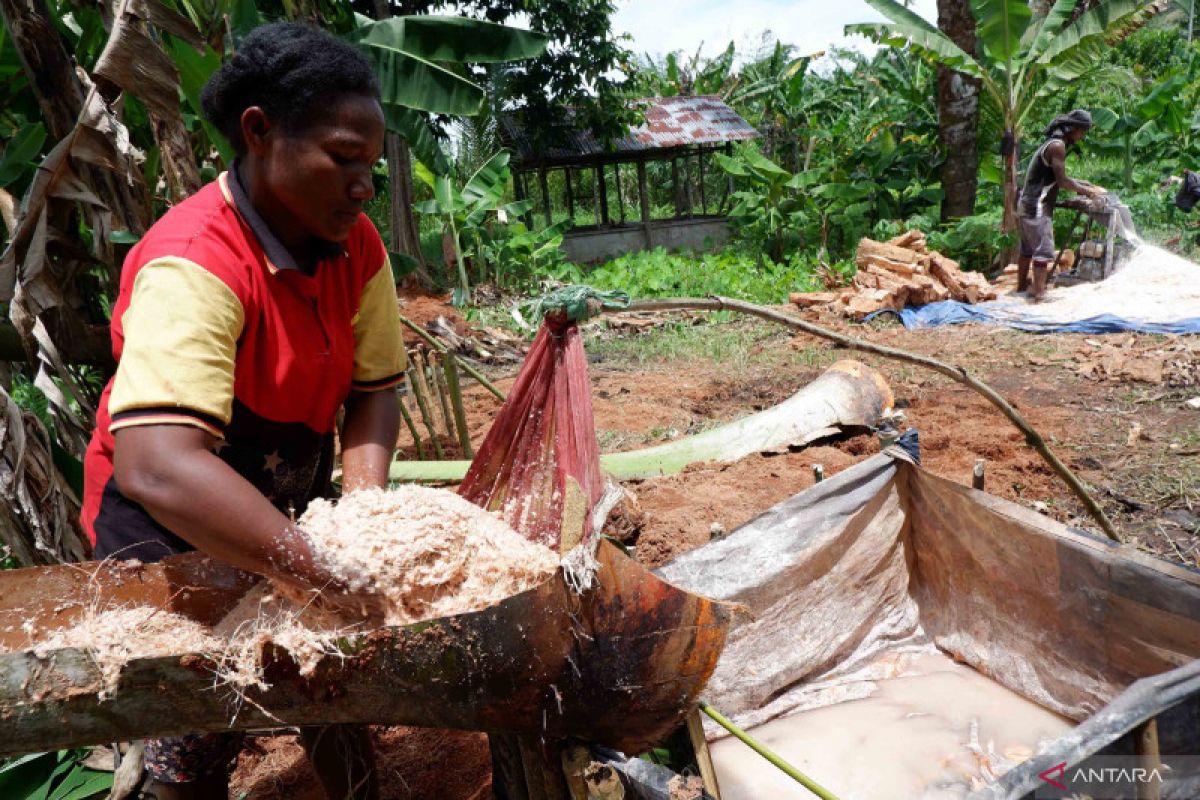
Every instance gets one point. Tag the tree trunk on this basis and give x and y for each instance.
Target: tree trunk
(958, 115)
(406, 234)
(1009, 223)
(179, 165)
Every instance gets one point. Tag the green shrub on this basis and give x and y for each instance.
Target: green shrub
(731, 272)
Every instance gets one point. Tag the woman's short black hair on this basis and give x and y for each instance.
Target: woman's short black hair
(291, 71)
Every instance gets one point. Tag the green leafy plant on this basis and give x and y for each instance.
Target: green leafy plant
(1022, 59)
(52, 776)
(463, 210)
(732, 272)
(1140, 123)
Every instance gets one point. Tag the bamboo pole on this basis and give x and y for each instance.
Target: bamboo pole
(421, 394)
(767, 753)
(438, 378)
(412, 426)
(959, 374)
(467, 368)
(450, 365)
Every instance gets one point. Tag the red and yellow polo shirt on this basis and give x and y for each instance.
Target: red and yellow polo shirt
(215, 326)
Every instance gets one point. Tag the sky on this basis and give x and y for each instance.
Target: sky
(659, 27)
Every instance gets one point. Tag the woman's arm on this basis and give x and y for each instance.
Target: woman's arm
(171, 471)
(369, 438)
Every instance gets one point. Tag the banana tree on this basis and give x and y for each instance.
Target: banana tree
(420, 62)
(1022, 60)
(464, 210)
(1139, 124)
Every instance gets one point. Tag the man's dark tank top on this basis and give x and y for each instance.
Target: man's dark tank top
(1041, 188)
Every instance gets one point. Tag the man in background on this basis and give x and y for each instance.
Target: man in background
(1047, 174)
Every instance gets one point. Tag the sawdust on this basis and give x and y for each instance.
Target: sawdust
(420, 553)
(424, 552)
(114, 636)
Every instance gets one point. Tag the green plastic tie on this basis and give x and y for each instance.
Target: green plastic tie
(576, 301)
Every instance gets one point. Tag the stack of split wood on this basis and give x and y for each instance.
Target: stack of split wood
(898, 273)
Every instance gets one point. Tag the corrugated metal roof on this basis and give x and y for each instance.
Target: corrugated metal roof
(671, 122)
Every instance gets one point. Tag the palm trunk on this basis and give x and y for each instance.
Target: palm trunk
(958, 115)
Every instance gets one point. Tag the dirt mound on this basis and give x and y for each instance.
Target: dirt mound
(425, 308)
(683, 511)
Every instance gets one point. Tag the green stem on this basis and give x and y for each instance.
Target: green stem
(412, 427)
(767, 753)
(450, 366)
(416, 381)
(463, 283)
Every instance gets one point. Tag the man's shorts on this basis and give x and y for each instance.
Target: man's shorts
(1037, 237)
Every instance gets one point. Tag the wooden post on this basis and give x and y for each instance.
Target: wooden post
(708, 772)
(977, 474)
(644, 202)
(1145, 745)
(729, 187)
(818, 473)
(596, 196)
(620, 198)
(703, 195)
(522, 192)
(570, 195)
(545, 185)
(675, 185)
(689, 189)
(603, 189)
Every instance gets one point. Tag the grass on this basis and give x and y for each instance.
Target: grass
(725, 342)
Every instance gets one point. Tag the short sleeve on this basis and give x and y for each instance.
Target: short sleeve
(181, 329)
(379, 358)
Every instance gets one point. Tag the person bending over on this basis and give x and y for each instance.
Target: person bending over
(1047, 174)
(247, 317)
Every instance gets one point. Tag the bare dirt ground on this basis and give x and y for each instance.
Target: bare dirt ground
(1135, 442)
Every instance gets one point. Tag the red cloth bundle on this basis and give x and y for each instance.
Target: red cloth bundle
(539, 466)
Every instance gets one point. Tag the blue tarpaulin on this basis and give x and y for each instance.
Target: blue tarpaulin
(1008, 314)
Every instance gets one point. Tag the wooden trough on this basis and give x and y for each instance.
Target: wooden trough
(620, 664)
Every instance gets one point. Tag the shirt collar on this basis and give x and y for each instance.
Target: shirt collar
(278, 256)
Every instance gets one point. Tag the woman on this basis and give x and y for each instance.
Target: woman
(247, 316)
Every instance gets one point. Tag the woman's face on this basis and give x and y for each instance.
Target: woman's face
(320, 176)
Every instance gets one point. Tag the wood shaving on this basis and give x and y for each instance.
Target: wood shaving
(115, 636)
(424, 553)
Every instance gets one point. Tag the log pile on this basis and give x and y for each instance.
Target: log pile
(900, 272)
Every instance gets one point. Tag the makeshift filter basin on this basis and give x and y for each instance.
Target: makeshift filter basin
(909, 637)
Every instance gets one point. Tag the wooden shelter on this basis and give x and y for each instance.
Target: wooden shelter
(682, 130)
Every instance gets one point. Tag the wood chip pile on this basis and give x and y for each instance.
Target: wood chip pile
(900, 272)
